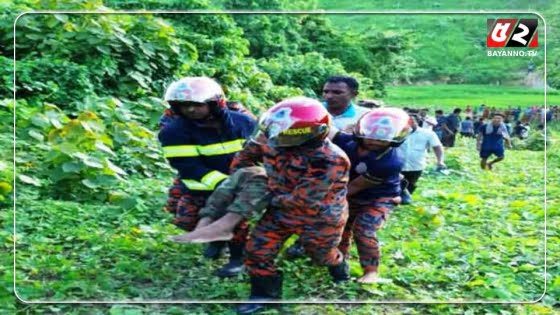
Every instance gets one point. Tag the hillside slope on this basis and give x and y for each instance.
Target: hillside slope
(449, 48)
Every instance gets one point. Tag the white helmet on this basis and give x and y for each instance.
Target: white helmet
(195, 89)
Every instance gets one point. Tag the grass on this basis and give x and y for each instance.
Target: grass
(469, 235)
(450, 96)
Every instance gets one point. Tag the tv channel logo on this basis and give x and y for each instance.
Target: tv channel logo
(512, 33)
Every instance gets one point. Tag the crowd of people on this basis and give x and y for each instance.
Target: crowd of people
(330, 172)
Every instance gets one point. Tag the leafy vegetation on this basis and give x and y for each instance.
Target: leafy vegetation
(90, 179)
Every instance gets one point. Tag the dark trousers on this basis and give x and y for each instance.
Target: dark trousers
(410, 179)
(448, 139)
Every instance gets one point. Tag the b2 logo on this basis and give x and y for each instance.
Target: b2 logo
(512, 33)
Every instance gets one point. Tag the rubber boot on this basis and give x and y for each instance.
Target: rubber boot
(406, 198)
(235, 264)
(340, 272)
(263, 288)
(214, 249)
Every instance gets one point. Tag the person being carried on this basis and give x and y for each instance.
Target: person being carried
(243, 195)
(490, 140)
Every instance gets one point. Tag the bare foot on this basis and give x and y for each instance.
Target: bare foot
(202, 236)
(183, 238)
(209, 235)
(369, 277)
(221, 230)
(489, 165)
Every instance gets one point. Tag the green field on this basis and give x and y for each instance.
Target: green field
(450, 96)
(449, 48)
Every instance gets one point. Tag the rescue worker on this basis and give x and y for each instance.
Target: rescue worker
(307, 178)
(177, 188)
(338, 93)
(200, 145)
(374, 187)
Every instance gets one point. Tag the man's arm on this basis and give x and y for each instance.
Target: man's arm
(444, 127)
(478, 140)
(507, 139)
(438, 152)
(435, 143)
(361, 183)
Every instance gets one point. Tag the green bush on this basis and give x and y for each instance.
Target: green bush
(308, 72)
(62, 56)
(72, 158)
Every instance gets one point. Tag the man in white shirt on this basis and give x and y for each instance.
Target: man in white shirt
(338, 93)
(414, 150)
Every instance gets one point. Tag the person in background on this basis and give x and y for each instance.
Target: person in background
(477, 123)
(338, 93)
(509, 127)
(450, 128)
(429, 123)
(468, 111)
(516, 113)
(440, 119)
(521, 130)
(542, 115)
(490, 141)
(527, 115)
(467, 128)
(414, 150)
(485, 112)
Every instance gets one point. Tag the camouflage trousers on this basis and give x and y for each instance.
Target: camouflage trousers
(319, 235)
(244, 192)
(363, 222)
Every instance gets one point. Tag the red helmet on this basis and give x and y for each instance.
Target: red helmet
(293, 122)
(384, 124)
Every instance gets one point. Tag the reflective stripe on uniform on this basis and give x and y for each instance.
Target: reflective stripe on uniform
(206, 150)
(207, 183)
(180, 151)
(221, 148)
(194, 185)
(213, 178)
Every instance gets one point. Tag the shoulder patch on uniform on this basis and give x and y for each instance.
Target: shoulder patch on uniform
(361, 168)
